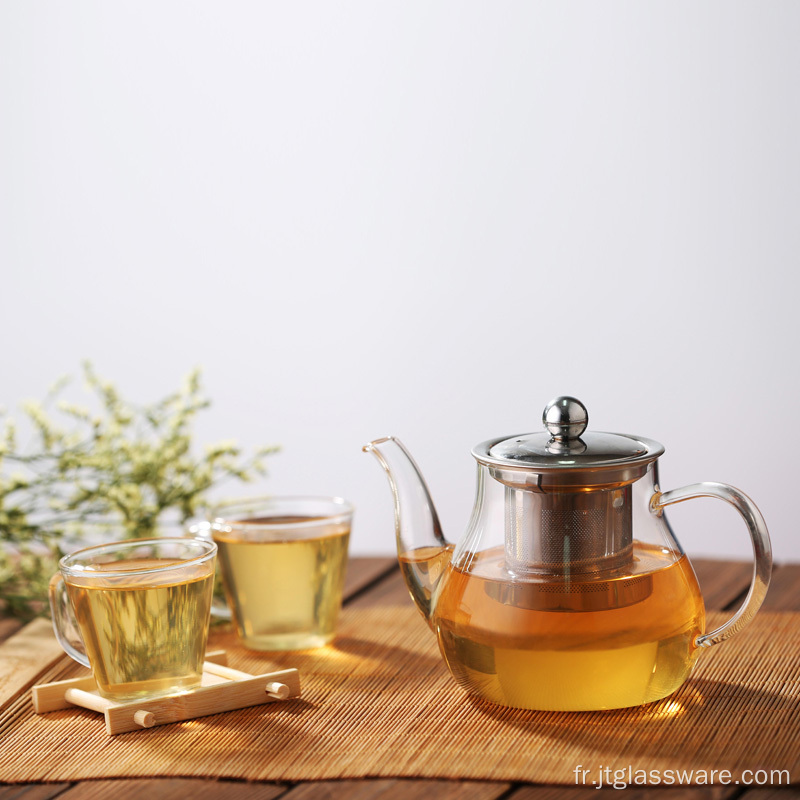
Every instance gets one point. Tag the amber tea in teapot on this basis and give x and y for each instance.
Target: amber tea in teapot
(569, 590)
(635, 632)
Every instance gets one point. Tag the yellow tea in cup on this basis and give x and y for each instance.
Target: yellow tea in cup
(283, 564)
(142, 611)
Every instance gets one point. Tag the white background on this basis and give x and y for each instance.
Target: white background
(419, 218)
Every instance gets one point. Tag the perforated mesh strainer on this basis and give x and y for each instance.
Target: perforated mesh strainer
(568, 493)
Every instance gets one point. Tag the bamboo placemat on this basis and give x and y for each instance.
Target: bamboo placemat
(380, 703)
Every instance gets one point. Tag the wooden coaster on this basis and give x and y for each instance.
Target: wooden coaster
(222, 689)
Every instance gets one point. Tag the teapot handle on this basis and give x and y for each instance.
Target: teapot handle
(762, 550)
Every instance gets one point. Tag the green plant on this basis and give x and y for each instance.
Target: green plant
(122, 471)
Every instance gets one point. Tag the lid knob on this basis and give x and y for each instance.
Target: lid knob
(565, 418)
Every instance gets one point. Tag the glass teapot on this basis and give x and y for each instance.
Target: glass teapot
(569, 590)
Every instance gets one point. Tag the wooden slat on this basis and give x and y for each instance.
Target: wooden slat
(784, 590)
(391, 591)
(363, 571)
(205, 701)
(721, 582)
(630, 793)
(8, 627)
(25, 656)
(397, 790)
(33, 791)
(772, 793)
(172, 789)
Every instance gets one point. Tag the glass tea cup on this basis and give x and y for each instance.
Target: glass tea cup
(283, 562)
(136, 613)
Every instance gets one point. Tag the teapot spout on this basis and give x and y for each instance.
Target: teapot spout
(423, 551)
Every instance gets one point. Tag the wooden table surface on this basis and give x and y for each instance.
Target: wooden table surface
(377, 581)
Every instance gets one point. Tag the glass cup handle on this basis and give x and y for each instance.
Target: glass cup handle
(219, 609)
(64, 623)
(762, 550)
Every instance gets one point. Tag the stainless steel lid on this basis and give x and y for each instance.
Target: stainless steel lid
(565, 444)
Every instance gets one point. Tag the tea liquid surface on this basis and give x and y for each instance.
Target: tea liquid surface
(571, 645)
(144, 634)
(284, 593)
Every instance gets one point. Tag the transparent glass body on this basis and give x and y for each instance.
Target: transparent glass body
(283, 562)
(136, 613)
(617, 630)
(562, 595)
